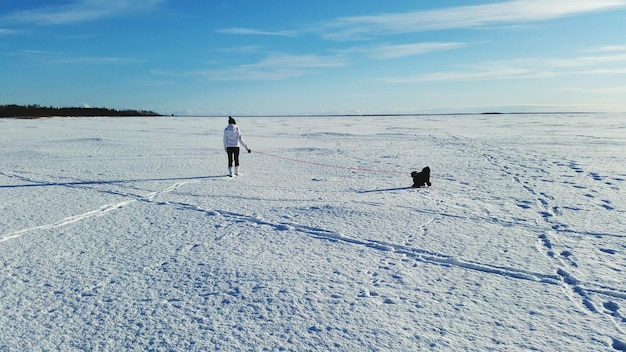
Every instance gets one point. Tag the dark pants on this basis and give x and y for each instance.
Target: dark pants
(233, 154)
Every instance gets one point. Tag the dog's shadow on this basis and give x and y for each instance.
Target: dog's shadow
(420, 179)
(384, 190)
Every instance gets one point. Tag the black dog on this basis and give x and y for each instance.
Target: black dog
(421, 179)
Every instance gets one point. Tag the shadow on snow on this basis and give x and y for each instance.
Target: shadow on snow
(111, 182)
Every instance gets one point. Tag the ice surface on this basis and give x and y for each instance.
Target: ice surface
(124, 234)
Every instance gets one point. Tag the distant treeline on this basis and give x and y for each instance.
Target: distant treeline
(34, 111)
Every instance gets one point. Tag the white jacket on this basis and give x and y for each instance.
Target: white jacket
(232, 137)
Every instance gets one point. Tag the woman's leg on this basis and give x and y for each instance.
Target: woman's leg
(230, 151)
(236, 155)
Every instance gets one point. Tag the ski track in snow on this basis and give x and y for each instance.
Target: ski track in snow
(84, 216)
(69, 220)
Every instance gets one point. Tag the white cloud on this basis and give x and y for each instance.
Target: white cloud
(477, 16)
(50, 57)
(601, 91)
(393, 51)
(524, 68)
(80, 11)
(248, 31)
(587, 60)
(276, 67)
(4, 31)
(95, 60)
(613, 71)
(481, 75)
(300, 61)
(273, 68)
(238, 49)
(609, 48)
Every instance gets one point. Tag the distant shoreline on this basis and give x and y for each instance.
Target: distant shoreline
(395, 115)
(36, 111)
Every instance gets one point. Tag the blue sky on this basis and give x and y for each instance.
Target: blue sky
(324, 56)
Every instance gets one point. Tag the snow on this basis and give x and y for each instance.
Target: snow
(124, 234)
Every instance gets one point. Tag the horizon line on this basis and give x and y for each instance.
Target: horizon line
(389, 114)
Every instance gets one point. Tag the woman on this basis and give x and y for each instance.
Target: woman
(232, 138)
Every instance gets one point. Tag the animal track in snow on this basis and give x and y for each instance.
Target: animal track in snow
(606, 204)
(545, 241)
(574, 166)
(561, 277)
(549, 214)
(574, 287)
(619, 345)
(414, 253)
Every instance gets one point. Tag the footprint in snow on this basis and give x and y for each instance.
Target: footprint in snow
(611, 306)
(546, 215)
(567, 256)
(606, 204)
(575, 167)
(595, 176)
(545, 241)
(619, 345)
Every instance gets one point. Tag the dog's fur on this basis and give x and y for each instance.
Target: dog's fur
(421, 179)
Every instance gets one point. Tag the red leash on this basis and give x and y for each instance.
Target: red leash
(327, 165)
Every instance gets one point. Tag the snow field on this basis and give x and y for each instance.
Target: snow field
(124, 234)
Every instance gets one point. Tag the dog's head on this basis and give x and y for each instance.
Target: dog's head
(424, 173)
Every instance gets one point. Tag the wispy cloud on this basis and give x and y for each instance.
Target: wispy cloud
(523, 69)
(80, 11)
(4, 31)
(393, 51)
(478, 75)
(54, 58)
(587, 60)
(608, 71)
(276, 67)
(477, 16)
(609, 48)
(96, 60)
(248, 31)
(273, 68)
(300, 61)
(244, 49)
(601, 91)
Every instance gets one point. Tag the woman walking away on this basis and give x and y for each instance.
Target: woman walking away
(232, 138)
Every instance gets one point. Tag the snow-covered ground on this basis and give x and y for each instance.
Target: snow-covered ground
(123, 234)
